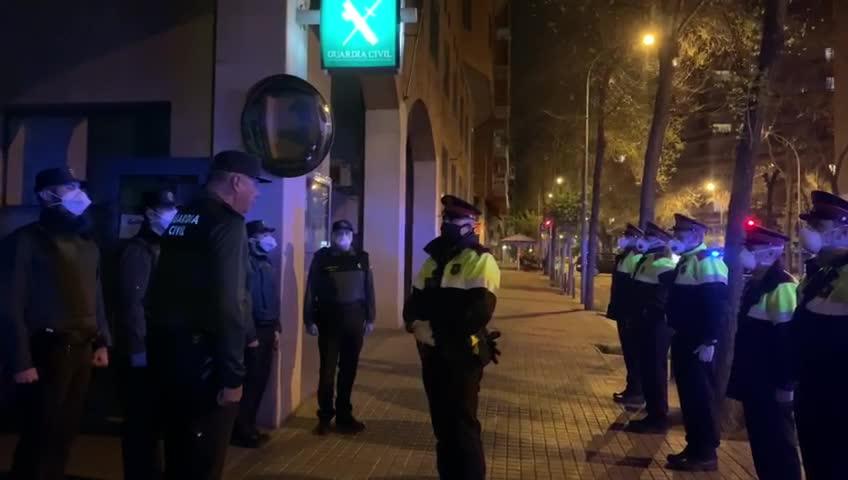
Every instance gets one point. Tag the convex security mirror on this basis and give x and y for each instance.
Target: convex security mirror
(288, 124)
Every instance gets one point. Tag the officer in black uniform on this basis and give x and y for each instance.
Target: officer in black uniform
(622, 309)
(265, 295)
(339, 308)
(762, 377)
(53, 322)
(820, 331)
(651, 283)
(695, 311)
(199, 318)
(138, 259)
(452, 301)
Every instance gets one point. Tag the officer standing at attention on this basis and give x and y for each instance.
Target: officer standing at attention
(339, 308)
(53, 322)
(820, 328)
(138, 259)
(621, 309)
(761, 377)
(200, 316)
(452, 301)
(695, 312)
(652, 281)
(265, 295)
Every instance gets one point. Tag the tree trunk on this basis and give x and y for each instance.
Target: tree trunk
(743, 176)
(659, 122)
(600, 151)
(771, 182)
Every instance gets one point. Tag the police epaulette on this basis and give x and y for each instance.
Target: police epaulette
(479, 249)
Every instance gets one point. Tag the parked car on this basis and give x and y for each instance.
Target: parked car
(605, 263)
(530, 262)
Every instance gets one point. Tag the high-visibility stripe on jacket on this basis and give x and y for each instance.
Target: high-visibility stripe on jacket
(698, 297)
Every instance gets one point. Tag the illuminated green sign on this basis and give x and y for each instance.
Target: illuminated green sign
(359, 34)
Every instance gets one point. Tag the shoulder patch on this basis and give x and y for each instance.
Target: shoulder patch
(456, 268)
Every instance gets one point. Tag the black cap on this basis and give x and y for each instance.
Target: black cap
(682, 222)
(654, 230)
(158, 199)
(342, 225)
(827, 206)
(633, 231)
(234, 161)
(258, 226)
(455, 207)
(758, 235)
(53, 177)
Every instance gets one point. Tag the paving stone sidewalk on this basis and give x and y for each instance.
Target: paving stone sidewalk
(546, 409)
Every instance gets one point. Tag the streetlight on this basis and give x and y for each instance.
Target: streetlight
(710, 187)
(550, 195)
(559, 180)
(647, 40)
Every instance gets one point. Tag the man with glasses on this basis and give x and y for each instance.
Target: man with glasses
(200, 318)
(696, 307)
(453, 299)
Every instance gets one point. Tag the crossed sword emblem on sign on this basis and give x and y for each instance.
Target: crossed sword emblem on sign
(351, 14)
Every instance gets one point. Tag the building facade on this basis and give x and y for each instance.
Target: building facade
(140, 93)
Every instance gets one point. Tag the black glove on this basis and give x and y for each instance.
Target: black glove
(492, 341)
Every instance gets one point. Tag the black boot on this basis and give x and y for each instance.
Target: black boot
(629, 399)
(323, 428)
(648, 425)
(349, 425)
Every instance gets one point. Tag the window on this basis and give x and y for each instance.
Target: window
(828, 54)
(434, 29)
(722, 128)
(830, 84)
(466, 15)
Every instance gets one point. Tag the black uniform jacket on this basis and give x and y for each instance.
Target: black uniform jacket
(137, 263)
(338, 278)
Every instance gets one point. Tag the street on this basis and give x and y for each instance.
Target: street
(546, 411)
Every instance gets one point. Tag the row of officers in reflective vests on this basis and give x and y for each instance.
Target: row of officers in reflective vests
(670, 292)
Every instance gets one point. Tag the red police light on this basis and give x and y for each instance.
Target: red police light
(750, 223)
(547, 223)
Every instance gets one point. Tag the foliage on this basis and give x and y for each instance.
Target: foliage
(523, 223)
(683, 201)
(564, 210)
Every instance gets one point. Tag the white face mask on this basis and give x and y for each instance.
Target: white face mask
(644, 244)
(267, 244)
(75, 201)
(751, 260)
(677, 246)
(343, 241)
(160, 221)
(747, 259)
(811, 240)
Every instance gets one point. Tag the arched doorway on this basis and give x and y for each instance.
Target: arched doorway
(422, 196)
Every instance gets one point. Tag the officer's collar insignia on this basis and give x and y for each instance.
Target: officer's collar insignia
(455, 268)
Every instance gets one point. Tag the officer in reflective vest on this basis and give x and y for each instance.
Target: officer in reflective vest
(761, 377)
(621, 310)
(820, 327)
(453, 299)
(695, 309)
(652, 280)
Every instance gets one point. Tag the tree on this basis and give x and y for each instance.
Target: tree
(773, 21)
(523, 223)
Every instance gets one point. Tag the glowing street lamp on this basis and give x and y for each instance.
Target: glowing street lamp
(649, 39)
(550, 195)
(710, 187)
(560, 180)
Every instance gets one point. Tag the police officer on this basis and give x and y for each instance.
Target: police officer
(621, 309)
(264, 339)
(339, 308)
(696, 305)
(54, 323)
(452, 301)
(138, 259)
(761, 377)
(652, 279)
(199, 318)
(820, 327)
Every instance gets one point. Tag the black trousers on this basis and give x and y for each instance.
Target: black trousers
(652, 340)
(257, 362)
(628, 337)
(140, 432)
(197, 430)
(695, 386)
(340, 340)
(50, 409)
(453, 389)
(821, 416)
(771, 432)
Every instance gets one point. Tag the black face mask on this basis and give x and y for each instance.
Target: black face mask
(452, 232)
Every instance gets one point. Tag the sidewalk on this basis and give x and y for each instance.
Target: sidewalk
(546, 411)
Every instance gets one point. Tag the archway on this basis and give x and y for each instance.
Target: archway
(422, 196)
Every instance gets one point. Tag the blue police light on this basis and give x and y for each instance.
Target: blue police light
(715, 253)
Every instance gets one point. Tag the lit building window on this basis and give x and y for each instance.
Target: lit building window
(828, 54)
(830, 83)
